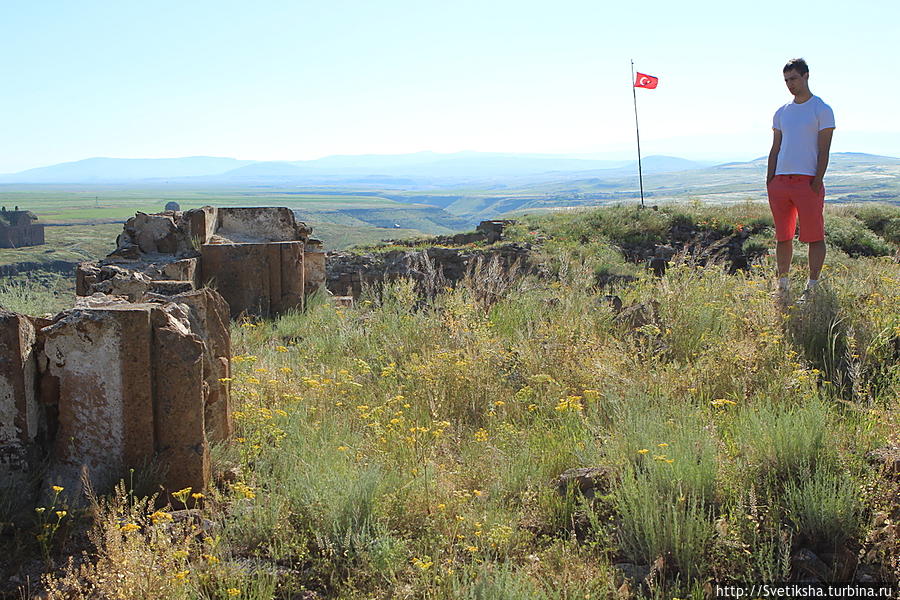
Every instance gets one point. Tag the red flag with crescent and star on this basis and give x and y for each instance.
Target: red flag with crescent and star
(646, 81)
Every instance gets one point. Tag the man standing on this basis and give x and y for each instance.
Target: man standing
(797, 163)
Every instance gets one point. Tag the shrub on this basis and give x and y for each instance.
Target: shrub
(825, 508)
(882, 219)
(781, 442)
(853, 237)
(819, 330)
(655, 524)
(29, 296)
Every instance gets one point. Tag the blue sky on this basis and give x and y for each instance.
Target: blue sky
(272, 80)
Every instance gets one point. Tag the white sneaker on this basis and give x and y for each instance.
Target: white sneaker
(807, 296)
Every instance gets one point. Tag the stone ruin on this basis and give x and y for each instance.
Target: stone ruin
(135, 376)
(111, 385)
(18, 228)
(261, 260)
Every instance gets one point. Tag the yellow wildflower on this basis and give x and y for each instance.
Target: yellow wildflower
(181, 495)
(160, 515)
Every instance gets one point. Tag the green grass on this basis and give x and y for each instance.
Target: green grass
(36, 293)
(74, 243)
(407, 448)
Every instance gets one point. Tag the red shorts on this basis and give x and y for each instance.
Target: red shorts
(791, 196)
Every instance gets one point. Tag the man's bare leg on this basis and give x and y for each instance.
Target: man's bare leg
(783, 253)
(816, 259)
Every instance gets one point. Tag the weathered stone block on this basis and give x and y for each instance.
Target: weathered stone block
(130, 284)
(157, 234)
(130, 388)
(313, 271)
(202, 223)
(292, 257)
(169, 288)
(209, 318)
(99, 357)
(257, 279)
(260, 224)
(179, 401)
(18, 405)
(186, 269)
(240, 273)
(86, 275)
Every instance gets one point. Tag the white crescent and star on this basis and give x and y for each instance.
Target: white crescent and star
(645, 80)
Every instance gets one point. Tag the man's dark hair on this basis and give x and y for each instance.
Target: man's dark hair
(797, 64)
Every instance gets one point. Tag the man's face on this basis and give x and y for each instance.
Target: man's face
(795, 82)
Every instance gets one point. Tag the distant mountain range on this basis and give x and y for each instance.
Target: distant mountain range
(94, 170)
(417, 170)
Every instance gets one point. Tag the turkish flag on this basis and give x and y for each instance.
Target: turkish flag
(646, 81)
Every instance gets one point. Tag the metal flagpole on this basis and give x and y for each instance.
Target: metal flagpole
(638, 132)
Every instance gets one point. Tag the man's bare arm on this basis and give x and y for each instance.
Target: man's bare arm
(773, 155)
(824, 143)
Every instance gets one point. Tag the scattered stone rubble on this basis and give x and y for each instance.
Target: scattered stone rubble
(111, 385)
(349, 273)
(261, 260)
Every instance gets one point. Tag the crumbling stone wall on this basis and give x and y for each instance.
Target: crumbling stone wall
(111, 385)
(261, 260)
(488, 232)
(348, 273)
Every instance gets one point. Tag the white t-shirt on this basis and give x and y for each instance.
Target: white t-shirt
(800, 125)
